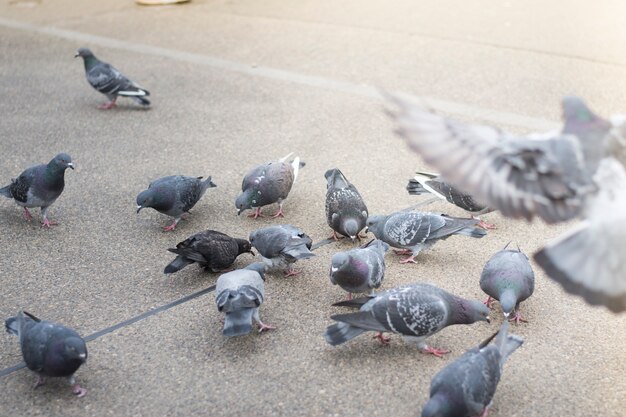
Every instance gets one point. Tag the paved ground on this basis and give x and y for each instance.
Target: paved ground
(235, 83)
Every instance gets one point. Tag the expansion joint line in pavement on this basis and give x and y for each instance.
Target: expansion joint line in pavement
(324, 83)
(96, 335)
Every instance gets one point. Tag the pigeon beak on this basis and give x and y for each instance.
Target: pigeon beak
(139, 208)
(251, 253)
(238, 212)
(70, 165)
(333, 269)
(488, 319)
(77, 55)
(83, 356)
(506, 315)
(366, 230)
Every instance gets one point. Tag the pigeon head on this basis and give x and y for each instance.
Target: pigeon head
(438, 406)
(244, 246)
(259, 267)
(338, 260)
(151, 198)
(574, 108)
(350, 227)
(61, 162)
(470, 311)
(74, 349)
(84, 53)
(508, 300)
(245, 201)
(375, 225)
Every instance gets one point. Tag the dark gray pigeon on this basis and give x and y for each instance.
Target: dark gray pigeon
(429, 183)
(546, 175)
(281, 246)
(346, 212)
(415, 231)
(240, 293)
(214, 251)
(415, 311)
(466, 386)
(267, 184)
(109, 81)
(39, 186)
(174, 195)
(361, 269)
(589, 260)
(49, 349)
(508, 278)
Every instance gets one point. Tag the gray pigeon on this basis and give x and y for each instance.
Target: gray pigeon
(215, 251)
(39, 186)
(49, 349)
(547, 175)
(267, 184)
(415, 311)
(346, 212)
(429, 183)
(415, 231)
(466, 386)
(109, 81)
(361, 269)
(173, 195)
(240, 293)
(589, 259)
(508, 278)
(281, 246)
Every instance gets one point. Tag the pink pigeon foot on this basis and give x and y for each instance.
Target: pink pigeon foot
(336, 236)
(383, 340)
(46, 224)
(408, 260)
(279, 213)
(517, 318)
(78, 391)
(257, 213)
(437, 352)
(292, 273)
(486, 226)
(27, 214)
(485, 412)
(488, 302)
(170, 227)
(263, 326)
(349, 297)
(40, 381)
(107, 106)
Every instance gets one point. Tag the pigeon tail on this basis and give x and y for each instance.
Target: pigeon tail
(177, 264)
(12, 326)
(238, 323)
(355, 302)
(472, 232)
(5, 191)
(415, 188)
(339, 333)
(140, 100)
(506, 343)
(208, 183)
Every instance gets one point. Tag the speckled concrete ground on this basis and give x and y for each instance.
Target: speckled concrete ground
(263, 79)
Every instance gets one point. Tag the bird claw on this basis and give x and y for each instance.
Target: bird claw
(257, 213)
(382, 339)
(408, 260)
(27, 214)
(279, 213)
(434, 351)
(335, 236)
(107, 106)
(488, 303)
(263, 326)
(79, 391)
(292, 273)
(517, 318)
(46, 224)
(40, 381)
(487, 226)
(170, 227)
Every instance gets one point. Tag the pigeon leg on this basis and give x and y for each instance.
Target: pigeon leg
(291, 272)
(45, 223)
(437, 352)
(410, 259)
(349, 297)
(488, 302)
(257, 213)
(78, 391)
(279, 213)
(262, 326)
(27, 214)
(383, 340)
(109, 105)
(40, 381)
(483, 224)
(485, 412)
(517, 318)
(336, 236)
(172, 226)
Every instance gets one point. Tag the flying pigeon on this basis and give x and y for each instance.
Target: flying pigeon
(508, 278)
(267, 184)
(281, 246)
(240, 293)
(415, 311)
(588, 260)
(346, 212)
(49, 349)
(547, 175)
(173, 195)
(415, 231)
(359, 270)
(426, 182)
(466, 386)
(39, 186)
(215, 251)
(109, 81)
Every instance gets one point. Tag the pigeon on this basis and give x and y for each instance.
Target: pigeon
(508, 278)
(109, 81)
(39, 186)
(281, 246)
(359, 270)
(415, 231)
(415, 311)
(588, 260)
(267, 184)
(213, 250)
(49, 349)
(426, 182)
(346, 212)
(173, 195)
(546, 175)
(239, 295)
(466, 386)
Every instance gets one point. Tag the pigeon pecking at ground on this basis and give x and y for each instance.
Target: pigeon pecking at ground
(281, 246)
(267, 184)
(109, 81)
(174, 195)
(426, 182)
(466, 386)
(39, 186)
(346, 212)
(239, 294)
(359, 270)
(213, 250)
(49, 349)
(508, 278)
(414, 231)
(415, 311)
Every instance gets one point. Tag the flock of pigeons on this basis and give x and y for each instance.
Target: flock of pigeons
(556, 176)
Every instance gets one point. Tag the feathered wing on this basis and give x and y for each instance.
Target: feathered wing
(109, 81)
(18, 189)
(412, 228)
(521, 176)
